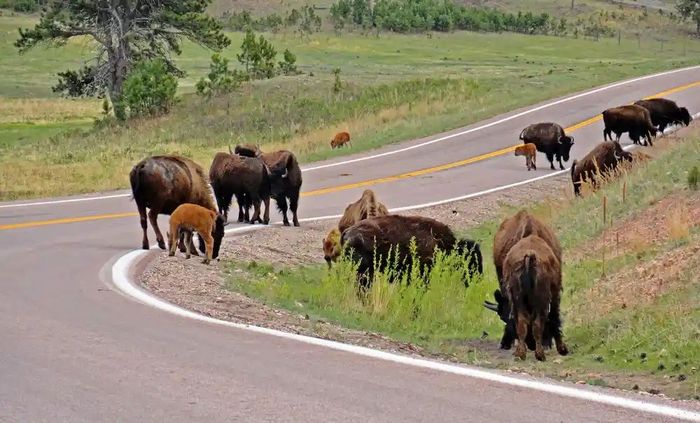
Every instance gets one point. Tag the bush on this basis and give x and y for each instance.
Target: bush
(149, 89)
(258, 56)
(288, 65)
(23, 6)
(220, 79)
(693, 177)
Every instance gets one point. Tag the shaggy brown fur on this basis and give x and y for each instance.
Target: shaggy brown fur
(532, 275)
(550, 139)
(665, 112)
(528, 150)
(379, 234)
(367, 206)
(162, 183)
(636, 120)
(247, 179)
(208, 224)
(511, 231)
(285, 182)
(604, 158)
(340, 139)
(248, 150)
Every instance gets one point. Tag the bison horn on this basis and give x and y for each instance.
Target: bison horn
(571, 138)
(229, 150)
(491, 306)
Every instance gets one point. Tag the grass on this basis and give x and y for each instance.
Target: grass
(608, 340)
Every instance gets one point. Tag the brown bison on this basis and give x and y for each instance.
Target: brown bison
(636, 120)
(550, 139)
(340, 139)
(602, 159)
(285, 178)
(367, 206)
(530, 152)
(161, 184)
(665, 112)
(372, 239)
(247, 179)
(207, 223)
(532, 280)
(512, 230)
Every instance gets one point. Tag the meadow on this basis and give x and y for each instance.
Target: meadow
(630, 286)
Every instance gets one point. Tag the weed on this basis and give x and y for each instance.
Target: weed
(693, 177)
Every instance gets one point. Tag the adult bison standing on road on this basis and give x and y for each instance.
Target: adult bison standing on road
(605, 157)
(550, 139)
(665, 112)
(511, 231)
(247, 179)
(370, 241)
(636, 120)
(162, 183)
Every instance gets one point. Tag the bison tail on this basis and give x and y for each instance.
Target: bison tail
(529, 274)
(370, 203)
(135, 181)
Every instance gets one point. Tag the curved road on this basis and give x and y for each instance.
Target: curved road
(73, 348)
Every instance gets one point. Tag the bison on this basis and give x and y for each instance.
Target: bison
(512, 230)
(373, 239)
(209, 225)
(602, 159)
(665, 112)
(340, 139)
(636, 120)
(530, 152)
(247, 150)
(550, 139)
(245, 177)
(532, 279)
(367, 206)
(161, 184)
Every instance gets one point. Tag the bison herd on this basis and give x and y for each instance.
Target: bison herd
(526, 253)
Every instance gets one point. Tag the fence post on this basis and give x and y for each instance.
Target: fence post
(619, 37)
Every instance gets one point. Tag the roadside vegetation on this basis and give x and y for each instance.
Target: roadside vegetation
(630, 286)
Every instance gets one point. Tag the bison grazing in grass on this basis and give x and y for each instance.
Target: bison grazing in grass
(604, 158)
(636, 120)
(511, 231)
(245, 177)
(340, 139)
(530, 152)
(161, 184)
(532, 280)
(367, 206)
(550, 139)
(207, 223)
(665, 112)
(372, 239)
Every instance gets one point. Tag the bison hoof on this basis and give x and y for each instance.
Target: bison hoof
(286, 223)
(161, 244)
(187, 257)
(539, 355)
(171, 254)
(266, 222)
(562, 349)
(520, 353)
(145, 246)
(296, 223)
(205, 261)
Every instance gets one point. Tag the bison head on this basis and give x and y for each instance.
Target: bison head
(501, 306)
(565, 144)
(278, 175)
(218, 235)
(685, 116)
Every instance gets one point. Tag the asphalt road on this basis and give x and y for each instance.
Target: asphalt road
(74, 349)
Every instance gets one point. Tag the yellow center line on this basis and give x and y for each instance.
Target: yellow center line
(66, 220)
(369, 182)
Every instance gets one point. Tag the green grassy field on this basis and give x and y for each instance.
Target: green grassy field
(630, 307)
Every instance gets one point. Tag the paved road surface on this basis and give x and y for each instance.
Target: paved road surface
(73, 349)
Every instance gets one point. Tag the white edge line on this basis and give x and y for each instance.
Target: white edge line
(120, 277)
(423, 144)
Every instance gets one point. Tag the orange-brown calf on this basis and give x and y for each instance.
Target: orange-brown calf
(528, 150)
(340, 139)
(191, 217)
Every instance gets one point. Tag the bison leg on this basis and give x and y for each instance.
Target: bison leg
(282, 206)
(538, 330)
(293, 204)
(256, 212)
(153, 217)
(266, 216)
(561, 166)
(242, 209)
(188, 243)
(550, 157)
(209, 242)
(224, 205)
(172, 239)
(554, 325)
(508, 335)
(144, 226)
(521, 326)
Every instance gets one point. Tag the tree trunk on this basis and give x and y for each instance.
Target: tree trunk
(697, 29)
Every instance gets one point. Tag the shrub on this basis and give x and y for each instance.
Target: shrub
(220, 79)
(258, 56)
(693, 177)
(149, 89)
(337, 83)
(288, 65)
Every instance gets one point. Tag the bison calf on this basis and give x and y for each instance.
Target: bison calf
(550, 139)
(530, 152)
(371, 240)
(604, 158)
(207, 223)
(532, 274)
(340, 139)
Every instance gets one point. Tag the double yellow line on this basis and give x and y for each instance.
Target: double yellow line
(369, 182)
